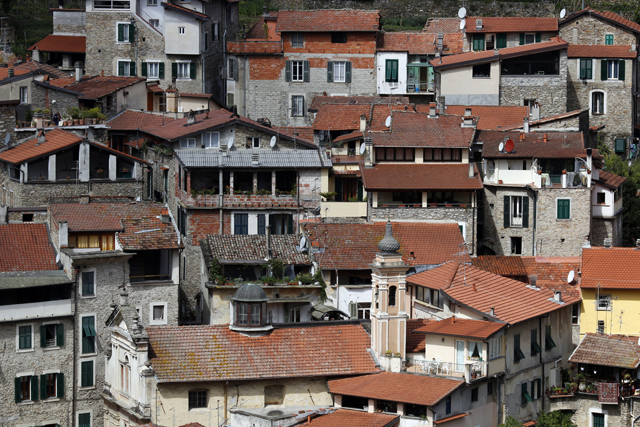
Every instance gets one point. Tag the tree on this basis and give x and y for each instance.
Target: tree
(555, 419)
(511, 422)
(631, 201)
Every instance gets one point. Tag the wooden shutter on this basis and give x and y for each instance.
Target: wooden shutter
(84, 420)
(121, 68)
(538, 37)
(589, 69)
(272, 224)
(43, 336)
(564, 209)
(34, 387)
(59, 334)
(621, 69)
(60, 385)
(143, 69)
(235, 69)
(192, 71)
(502, 40)
(287, 71)
(16, 382)
(174, 70)
(290, 224)
(603, 70)
(525, 212)
(261, 224)
(121, 32)
(132, 33)
(161, 70)
(305, 66)
(338, 185)
(353, 310)
(521, 39)
(507, 213)
(329, 71)
(347, 72)
(43, 387)
(132, 69)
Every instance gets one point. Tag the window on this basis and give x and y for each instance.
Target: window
(297, 106)
(105, 242)
(274, 395)
(392, 296)
(88, 283)
(52, 386)
(112, 4)
(516, 210)
(231, 68)
(516, 245)
(24, 94)
(620, 145)
(184, 70)
(197, 399)
(597, 102)
(448, 405)
(125, 375)
(600, 326)
(600, 198)
(518, 355)
(181, 30)
(474, 394)
(255, 314)
(478, 42)
(535, 347)
(241, 224)
(481, 70)
(152, 2)
(126, 32)
(575, 314)
(152, 70)
(442, 155)
(297, 39)
(529, 38)
(253, 142)
(564, 209)
(391, 70)
(126, 68)
(86, 373)
(338, 37)
(26, 388)
(297, 71)
(25, 337)
(242, 314)
(501, 40)
(211, 139)
(604, 302)
(88, 334)
(52, 335)
(215, 31)
(391, 153)
(608, 39)
(598, 420)
(474, 350)
(339, 69)
(495, 347)
(262, 224)
(84, 420)
(188, 143)
(548, 341)
(586, 69)
(364, 310)
(158, 313)
(524, 394)
(536, 391)
(294, 315)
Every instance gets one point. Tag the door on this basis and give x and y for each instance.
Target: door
(459, 356)
(149, 101)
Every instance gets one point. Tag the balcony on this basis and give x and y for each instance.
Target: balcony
(344, 209)
(471, 370)
(35, 310)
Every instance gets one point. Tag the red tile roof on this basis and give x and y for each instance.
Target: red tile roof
(132, 120)
(558, 145)
(299, 132)
(613, 268)
(468, 328)
(348, 20)
(411, 129)
(54, 140)
(216, 353)
(98, 86)
(340, 117)
(600, 51)
(353, 418)
(396, 387)
(196, 14)
(489, 116)
(64, 44)
(608, 350)
(320, 100)
(27, 67)
(610, 180)
(452, 418)
(257, 30)
(26, 247)
(416, 340)
(500, 264)
(552, 273)
(512, 24)
(416, 43)
(436, 278)
(548, 119)
(442, 25)
(251, 248)
(353, 246)
(607, 16)
(469, 58)
(426, 176)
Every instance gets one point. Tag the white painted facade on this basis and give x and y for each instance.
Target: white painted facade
(459, 87)
(388, 88)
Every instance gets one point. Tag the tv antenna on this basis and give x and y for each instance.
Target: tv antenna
(463, 23)
(501, 147)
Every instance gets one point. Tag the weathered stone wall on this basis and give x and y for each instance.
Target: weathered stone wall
(583, 405)
(602, 228)
(67, 22)
(17, 217)
(7, 121)
(41, 97)
(588, 29)
(41, 193)
(226, 14)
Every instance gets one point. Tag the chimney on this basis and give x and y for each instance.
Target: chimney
(191, 117)
(363, 123)
(525, 124)
(586, 245)
(35, 55)
(78, 66)
(255, 159)
(493, 312)
(124, 299)
(10, 72)
(637, 244)
(63, 234)
(533, 279)
(165, 218)
(432, 110)
(589, 158)
(496, 52)
(85, 199)
(471, 171)
(467, 111)
(368, 161)
(41, 138)
(467, 122)
(607, 242)
(478, 24)
(441, 104)
(545, 137)
(557, 296)
(440, 41)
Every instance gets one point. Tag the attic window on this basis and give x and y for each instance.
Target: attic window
(482, 70)
(273, 395)
(339, 37)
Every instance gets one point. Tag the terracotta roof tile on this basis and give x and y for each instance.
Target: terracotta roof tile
(348, 20)
(353, 418)
(548, 119)
(512, 24)
(600, 51)
(396, 387)
(299, 132)
(340, 117)
(608, 350)
(452, 418)
(416, 340)
(608, 16)
(610, 180)
(132, 120)
(54, 140)
(425, 176)
(27, 67)
(613, 268)
(229, 247)
(26, 247)
(489, 116)
(320, 100)
(416, 43)
(558, 145)
(211, 353)
(436, 278)
(257, 30)
(195, 95)
(94, 87)
(353, 246)
(412, 129)
(500, 264)
(552, 273)
(64, 44)
(462, 328)
(442, 25)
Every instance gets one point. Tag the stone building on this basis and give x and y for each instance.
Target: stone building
(606, 220)
(493, 32)
(310, 52)
(602, 72)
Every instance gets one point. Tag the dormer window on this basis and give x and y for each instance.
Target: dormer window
(250, 307)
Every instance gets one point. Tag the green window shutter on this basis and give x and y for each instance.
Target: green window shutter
(338, 185)
(478, 42)
(132, 69)
(43, 336)
(507, 213)
(16, 382)
(174, 70)
(261, 224)
(608, 39)
(289, 224)
(235, 69)
(34, 387)
(121, 32)
(538, 37)
(287, 71)
(388, 72)
(360, 191)
(121, 68)
(161, 70)
(521, 39)
(84, 420)
(589, 69)
(230, 99)
(353, 310)
(621, 69)
(60, 386)
(329, 71)
(603, 70)
(43, 387)
(305, 69)
(86, 374)
(60, 334)
(132, 33)
(347, 72)
(621, 145)
(272, 225)
(564, 209)
(525, 212)
(502, 40)
(143, 69)
(192, 71)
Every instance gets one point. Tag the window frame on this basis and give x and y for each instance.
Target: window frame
(197, 398)
(111, 3)
(91, 360)
(514, 245)
(562, 218)
(604, 298)
(82, 284)
(59, 335)
(32, 338)
(151, 64)
(153, 321)
(516, 202)
(24, 94)
(57, 375)
(495, 344)
(613, 67)
(474, 394)
(182, 66)
(601, 111)
(391, 66)
(549, 343)
(529, 35)
(294, 106)
(518, 355)
(297, 43)
(587, 76)
(337, 65)
(208, 145)
(339, 37)
(82, 334)
(29, 380)
(182, 31)
(475, 75)
(126, 68)
(84, 412)
(125, 32)
(186, 143)
(297, 71)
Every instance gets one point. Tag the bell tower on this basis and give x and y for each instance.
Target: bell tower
(389, 286)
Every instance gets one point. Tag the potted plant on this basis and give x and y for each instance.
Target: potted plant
(564, 171)
(627, 378)
(328, 195)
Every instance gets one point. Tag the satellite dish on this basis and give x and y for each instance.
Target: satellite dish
(571, 276)
(7, 138)
(387, 122)
(509, 145)
(303, 242)
(273, 142)
(230, 143)
(563, 13)
(463, 23)
(362, 148)
(462, 12)
(313, 273)
(501, 147)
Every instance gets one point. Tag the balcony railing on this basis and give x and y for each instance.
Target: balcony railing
(429, 205)
(470, 370)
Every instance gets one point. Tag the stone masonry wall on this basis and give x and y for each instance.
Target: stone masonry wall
(590, 30)
(496, 236)
(40, 194)
(582, 405)
(41, 97)
(7, 121)
(602, 228)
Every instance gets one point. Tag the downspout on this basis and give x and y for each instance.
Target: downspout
(224, 59)
(535, 212)
(75, 349)
(541, 362)
(474, 237)
(225, 401)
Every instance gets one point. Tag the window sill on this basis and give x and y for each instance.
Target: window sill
(149, 79)
(603, 309)
(87, 388)
(482, 77)
(28, 402)
(199, 410)
(563, 219)
(57, 347)
(597, 114)
(52, 399)
(88, 354)
(25, 350)
(88, 296)
(123, 42)
(183, 79)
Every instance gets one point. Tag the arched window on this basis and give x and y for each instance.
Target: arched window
(598, 102)
(392, 296)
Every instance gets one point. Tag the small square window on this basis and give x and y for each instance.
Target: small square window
(158, 313)
(564, 209)
(181, 30)
(482, 70)
(155, 23)
(600, 198)
(253, 142)
(24, 94)
(529, 38)
(608, 39)
(197, 399)
(27, 217)
(152, 2)
(297, 39)
(338, 37)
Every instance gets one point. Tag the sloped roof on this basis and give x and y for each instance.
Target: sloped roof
(500, 264)
(26, 247)
(55, 139)
(436, 278)
(353, 246)
(558, 145)
(610, 180)
(95, 87)
(412, 129)
(613, 268)
(320, 100)
(229, 247)
(512, 24)
(132, 120)
(488, 116)
(467, 328)
(347, 117)
(267, 158)
(298, 132)
(353, 418)
(216, 353)
(420, 176)
(178, 8)
(600, 51)
(548, 119)
(442, 25)
(396, 387)
(608, 350)
(416, 340)
(611, 17)
(552, 273)
(416, 43)
(64, 44)
(326, 20)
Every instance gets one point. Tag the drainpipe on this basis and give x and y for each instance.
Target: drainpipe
(540, 341)
(225, 401)
(75, 351)
(535, 210)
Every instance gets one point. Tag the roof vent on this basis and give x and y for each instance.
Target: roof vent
(10, 72)
(637, 244)
(255, 159)
(191, 117)
(165, 218)
(557, 296)
(607, 242)
(467, 122)
(478, 24)
(41, 138)
(533, 279)
(467, 111)
(432, 110)
(493, 312)
(440, 41)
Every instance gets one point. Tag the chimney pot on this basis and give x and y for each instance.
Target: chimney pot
(78, 66)
(557, 295)
(124, 298)
(607, 242)
(533, 279)
(10, 72)
(363, 123)
(467, 111)
(545, 137)
(525, 125)
(493, 312)
(432, 110)
(478, 24)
